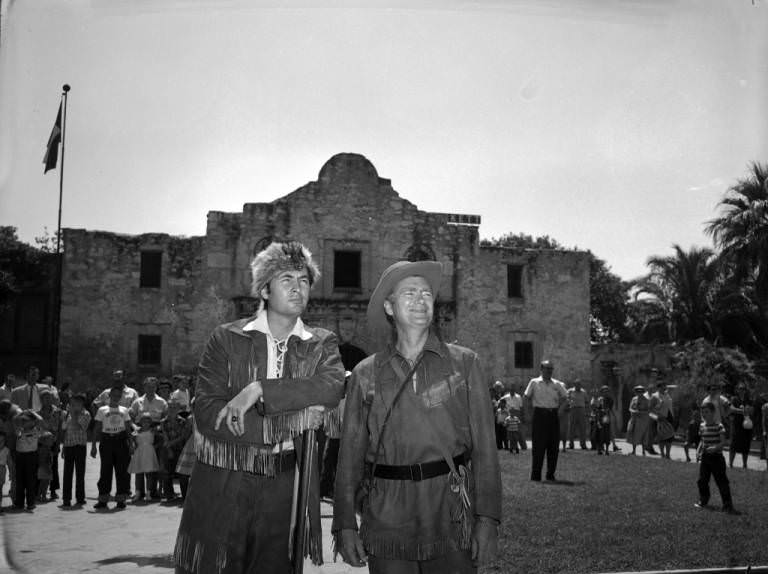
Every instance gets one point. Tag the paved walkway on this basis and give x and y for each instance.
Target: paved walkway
(53, 540)
(62, 541)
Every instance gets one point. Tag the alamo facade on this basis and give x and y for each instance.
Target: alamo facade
(147, 303)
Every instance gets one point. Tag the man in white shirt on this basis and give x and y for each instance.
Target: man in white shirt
(180, 394)
(156, 407)
(546, 395)
(150, 402)
(127, 397)
(517, 408)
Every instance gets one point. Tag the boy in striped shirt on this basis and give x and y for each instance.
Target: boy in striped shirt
(712, 461)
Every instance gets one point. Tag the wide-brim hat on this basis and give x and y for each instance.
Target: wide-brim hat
(639, 388)
(432, 271)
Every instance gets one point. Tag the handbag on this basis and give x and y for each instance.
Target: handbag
(747, 423)
(363, 490)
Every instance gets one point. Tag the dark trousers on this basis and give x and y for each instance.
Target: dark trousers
(74, 463)
(245, 515)
(55, 484)
(546, 439)
(328, 467)
(713, 465)
(146, 481)
(515, 441)
(26, 478)
(501, 436)
(455, 562)
(115, 456)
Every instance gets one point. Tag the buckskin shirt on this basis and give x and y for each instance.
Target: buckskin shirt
(443, 411)
(312, 375)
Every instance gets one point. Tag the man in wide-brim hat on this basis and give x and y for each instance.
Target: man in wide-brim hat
(261, 383)
(418, 419)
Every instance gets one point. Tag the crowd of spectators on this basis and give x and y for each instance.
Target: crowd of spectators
(148, 435)
(655, 421)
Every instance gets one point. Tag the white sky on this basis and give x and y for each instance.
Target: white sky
(614, 126)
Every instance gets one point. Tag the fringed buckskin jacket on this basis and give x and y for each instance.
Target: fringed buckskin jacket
(448, 413)
(313, 374)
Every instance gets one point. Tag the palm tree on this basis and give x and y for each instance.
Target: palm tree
(741, 232)
(682, 288)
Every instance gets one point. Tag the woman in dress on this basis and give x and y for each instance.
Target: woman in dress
(144, 458)
(637, 430)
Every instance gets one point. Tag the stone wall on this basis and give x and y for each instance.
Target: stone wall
(206, 280)
(552, 314)
(623, 366)
(104, 309)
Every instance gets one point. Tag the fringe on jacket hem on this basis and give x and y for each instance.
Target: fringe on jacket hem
(284, 426)
(332, 422)
(188, 554)
(406, 549)
(234, 456)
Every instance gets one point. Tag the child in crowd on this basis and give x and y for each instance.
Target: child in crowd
(75, 441)
(692, 437)
(44, 471)
(602, 436)
(175, 431)
(5, 455)
(28, 433)
(501, 417)
(512, 422)
(712, 461)
(187, 458)
(110, 433)
(144, 458)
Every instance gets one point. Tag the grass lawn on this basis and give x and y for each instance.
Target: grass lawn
(625, 513)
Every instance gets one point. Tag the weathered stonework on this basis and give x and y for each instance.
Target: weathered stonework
(206, 280)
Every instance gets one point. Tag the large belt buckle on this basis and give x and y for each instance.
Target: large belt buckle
(416, 474)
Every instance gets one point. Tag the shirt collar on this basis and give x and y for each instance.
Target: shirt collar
(260, 324)
(433, 344)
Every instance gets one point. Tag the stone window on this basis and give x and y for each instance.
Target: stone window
(150, 347)
(515, 281)
(523, 355)
(151, 267)
(347, 267)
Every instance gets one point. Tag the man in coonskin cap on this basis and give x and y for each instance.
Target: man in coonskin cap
(262, 381)
(418, 453)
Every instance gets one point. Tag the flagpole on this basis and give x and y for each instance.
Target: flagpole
(57, 312)
(65, 90)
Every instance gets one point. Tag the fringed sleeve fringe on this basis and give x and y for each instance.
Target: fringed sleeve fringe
(284, 426)
(234, 456)
(332, 421)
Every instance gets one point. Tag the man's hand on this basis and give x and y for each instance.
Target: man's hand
(352, 551)
(484, 540)
(233, 413)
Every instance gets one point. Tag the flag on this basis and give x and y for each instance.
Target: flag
(52, 149)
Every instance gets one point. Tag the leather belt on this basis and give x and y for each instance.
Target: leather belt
(417, 472)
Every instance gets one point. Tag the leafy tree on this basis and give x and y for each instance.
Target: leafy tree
(741, 232)
(608, 298)
(47, 241)
(522, 241)
(17, 261)
(700, 363)
(607, 292)
(682, 290)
